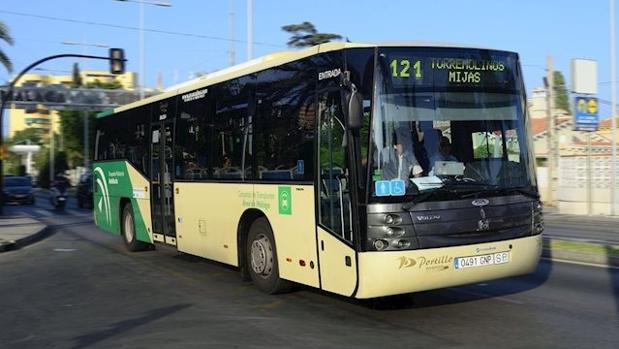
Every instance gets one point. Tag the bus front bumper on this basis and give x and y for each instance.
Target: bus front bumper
(390, 273)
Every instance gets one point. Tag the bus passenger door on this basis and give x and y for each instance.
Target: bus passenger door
(338, 271)
(162, 205)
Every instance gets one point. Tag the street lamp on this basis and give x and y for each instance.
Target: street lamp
(613, 111)
(84, 45)
(142, 3)
(73, 43)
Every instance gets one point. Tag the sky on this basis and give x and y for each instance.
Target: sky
(192, 36)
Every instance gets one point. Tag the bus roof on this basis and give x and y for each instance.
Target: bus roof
(269, 61)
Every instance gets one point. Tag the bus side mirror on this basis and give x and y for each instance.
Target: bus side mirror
(355, 110)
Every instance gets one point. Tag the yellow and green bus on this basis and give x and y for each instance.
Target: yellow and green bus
(361, 170)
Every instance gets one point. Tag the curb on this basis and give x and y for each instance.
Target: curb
(11, 245)
(598, 259)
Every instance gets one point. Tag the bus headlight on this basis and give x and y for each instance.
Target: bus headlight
(380, 244)
(393, 232)
(389, 238)
(391, 218)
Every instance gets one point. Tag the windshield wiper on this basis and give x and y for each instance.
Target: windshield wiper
(469, 189)
(506, 191)
(455, 189)
(522, 190)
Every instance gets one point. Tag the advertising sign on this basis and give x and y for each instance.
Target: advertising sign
(586, 114)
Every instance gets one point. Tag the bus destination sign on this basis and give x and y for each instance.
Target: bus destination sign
(409, 68)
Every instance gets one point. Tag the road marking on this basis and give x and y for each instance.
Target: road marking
(64, 249)
(580, 263)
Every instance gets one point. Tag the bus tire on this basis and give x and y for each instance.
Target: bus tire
(127, 226)
(262, 259)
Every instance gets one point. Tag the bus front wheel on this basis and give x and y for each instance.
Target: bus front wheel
(127, 227)
(262, 259)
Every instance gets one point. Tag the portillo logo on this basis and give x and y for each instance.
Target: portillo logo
(406, 262)
(428, 264)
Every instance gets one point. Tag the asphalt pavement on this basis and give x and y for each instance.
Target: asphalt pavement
(80, 288)
(596, 229)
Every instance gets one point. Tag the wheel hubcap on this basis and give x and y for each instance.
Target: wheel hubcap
(128, 228)
(262, 256)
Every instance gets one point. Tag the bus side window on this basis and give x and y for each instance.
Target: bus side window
(230, 128)
(192, 141)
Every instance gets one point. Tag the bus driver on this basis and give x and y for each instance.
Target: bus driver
(400, 162)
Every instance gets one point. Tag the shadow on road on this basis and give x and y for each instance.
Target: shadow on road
(127, 325)
(613, 274)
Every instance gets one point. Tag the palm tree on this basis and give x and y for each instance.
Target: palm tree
(306, 35)
(6, 37)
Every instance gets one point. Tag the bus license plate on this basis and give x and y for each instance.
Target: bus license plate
(481, 260)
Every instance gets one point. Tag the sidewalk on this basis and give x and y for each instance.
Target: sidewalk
(19, 231)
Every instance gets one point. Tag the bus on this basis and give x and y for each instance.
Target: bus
(361, 170)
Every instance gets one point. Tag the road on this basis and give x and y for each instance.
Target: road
(80, 288)
(596, 229)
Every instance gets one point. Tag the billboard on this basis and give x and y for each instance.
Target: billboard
(586, 114)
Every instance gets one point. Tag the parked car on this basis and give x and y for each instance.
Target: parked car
(84, 191)
(18, 189)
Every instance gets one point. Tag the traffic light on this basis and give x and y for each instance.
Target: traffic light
(117, 61)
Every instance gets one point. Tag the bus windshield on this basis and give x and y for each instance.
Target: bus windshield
(448, 123)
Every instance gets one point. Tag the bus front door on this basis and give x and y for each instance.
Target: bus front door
(338, 272)
(162, 204)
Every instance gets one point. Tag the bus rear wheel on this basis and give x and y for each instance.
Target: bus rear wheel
(262, 259)
(127, 227)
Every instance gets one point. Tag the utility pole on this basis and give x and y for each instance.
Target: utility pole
(51, 154)
(86, 140)
(250, 29)
(613, 111)
(231, 49)
(551, 140)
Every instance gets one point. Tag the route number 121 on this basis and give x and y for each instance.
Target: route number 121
(400, 68)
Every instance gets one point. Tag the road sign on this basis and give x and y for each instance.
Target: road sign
(60, 97)
(586, 114)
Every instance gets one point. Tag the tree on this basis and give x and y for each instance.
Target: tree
(562, 100)
(29, 134)
(306, 35)
(60, 166)
(6, 37)
(72, 126)
(112, 85)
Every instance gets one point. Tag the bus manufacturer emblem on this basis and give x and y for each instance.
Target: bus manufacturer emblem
(483, 224)
(480, 202)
